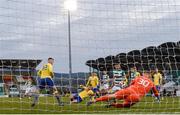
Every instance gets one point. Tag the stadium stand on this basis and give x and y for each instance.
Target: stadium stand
(14, 73)
(166, 53)
(165, 57)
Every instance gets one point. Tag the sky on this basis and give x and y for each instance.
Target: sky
(38, 29)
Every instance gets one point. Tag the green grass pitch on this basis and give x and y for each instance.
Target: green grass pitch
(48, 105)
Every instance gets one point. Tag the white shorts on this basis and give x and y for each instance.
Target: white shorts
(31, 90)
(116, 88)
(105, 86)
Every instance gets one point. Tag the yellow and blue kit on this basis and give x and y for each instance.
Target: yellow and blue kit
(46, 74)
(83, 94)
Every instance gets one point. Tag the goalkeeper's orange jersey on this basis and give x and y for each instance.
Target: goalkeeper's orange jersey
(142, 85)
(46, 71)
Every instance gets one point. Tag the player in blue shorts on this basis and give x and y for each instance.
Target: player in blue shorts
(45, 82)
(94, 82)
(79, 97)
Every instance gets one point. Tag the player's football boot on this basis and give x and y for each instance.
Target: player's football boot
(32, 105)
(156, 100)
(89, 103)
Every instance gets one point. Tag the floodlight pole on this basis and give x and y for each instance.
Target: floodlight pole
(70, 55)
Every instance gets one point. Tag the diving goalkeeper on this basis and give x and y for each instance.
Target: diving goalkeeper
(131, 95)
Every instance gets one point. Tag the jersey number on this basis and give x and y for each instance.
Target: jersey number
(143, 82)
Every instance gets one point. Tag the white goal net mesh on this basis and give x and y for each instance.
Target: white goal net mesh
(107, 37)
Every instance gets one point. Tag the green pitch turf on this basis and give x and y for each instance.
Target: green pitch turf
(48, 105)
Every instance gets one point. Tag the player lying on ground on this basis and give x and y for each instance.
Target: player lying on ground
(46, 74)
(132, 94)
(79, 97)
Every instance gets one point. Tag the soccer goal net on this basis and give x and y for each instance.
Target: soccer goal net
(72, 56)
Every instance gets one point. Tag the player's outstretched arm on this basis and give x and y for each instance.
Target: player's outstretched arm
(39, 72)
(82, 86)
(87, 84)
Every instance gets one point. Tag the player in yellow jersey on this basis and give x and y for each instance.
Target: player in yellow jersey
(133, 74)
(79, 97)
(93, 81)
(46, 75)
(157, 79)
(47, 70)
